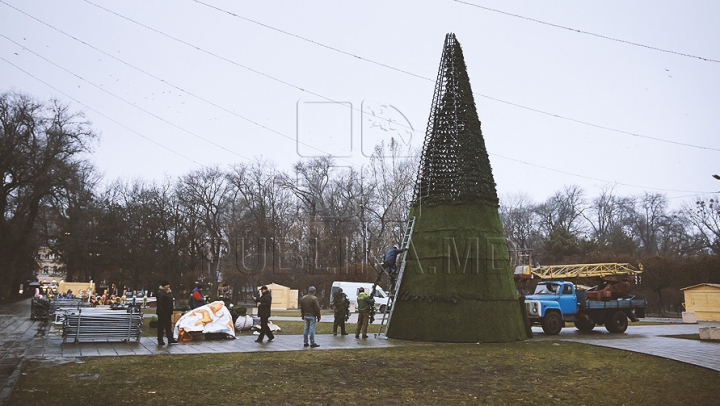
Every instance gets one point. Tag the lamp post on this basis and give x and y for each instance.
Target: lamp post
(364, 231)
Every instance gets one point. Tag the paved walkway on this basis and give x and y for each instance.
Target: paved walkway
(24, 339)
(652, 340)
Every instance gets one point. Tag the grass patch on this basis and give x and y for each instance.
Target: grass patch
(524, 373)
(652, 323)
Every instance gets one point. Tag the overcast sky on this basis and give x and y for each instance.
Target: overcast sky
(172, 86)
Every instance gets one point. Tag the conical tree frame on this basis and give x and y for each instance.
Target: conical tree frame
(458, 284)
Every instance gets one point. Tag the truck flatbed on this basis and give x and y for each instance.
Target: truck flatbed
(615, 304)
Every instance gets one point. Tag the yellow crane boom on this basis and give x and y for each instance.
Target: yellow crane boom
(576, 271)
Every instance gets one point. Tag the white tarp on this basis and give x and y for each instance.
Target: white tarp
(210, 318)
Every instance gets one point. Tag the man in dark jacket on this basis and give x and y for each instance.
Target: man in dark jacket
(164, 313)
(390, 266)
(264, 301)
(310, 313)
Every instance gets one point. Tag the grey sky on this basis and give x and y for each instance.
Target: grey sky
(184, 85)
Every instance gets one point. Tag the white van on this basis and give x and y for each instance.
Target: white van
(351, 289)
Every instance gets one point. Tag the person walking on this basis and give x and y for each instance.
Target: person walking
(389, 263)
(364, 303)
(264, 302)
(310, 313)
(164, 313)
(341, 311)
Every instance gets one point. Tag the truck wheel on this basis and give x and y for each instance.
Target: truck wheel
(552, 323)
(584, 323)
(617, 323)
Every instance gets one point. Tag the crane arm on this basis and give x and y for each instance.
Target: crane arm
(577, 271)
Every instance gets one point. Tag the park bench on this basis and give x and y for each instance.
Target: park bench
(89, 324)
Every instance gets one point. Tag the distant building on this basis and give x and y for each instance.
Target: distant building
(49, 264)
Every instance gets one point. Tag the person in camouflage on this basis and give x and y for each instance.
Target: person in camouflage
(341, 310)
(365, 303)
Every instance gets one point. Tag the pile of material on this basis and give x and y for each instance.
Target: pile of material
(213, 318)
(101, 325)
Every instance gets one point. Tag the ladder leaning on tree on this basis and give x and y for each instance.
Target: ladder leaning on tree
(387, 314)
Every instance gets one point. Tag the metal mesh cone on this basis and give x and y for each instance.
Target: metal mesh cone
(454, 167)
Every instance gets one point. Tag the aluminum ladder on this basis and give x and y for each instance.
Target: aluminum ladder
(387, 314)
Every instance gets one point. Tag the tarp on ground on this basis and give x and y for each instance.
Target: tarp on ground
(213, 318)
(244, 323)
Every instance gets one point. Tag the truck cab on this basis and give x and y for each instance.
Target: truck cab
(552, 303)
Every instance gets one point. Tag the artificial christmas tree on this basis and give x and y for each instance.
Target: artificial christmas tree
(457, 285)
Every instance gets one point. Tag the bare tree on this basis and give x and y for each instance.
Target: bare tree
(310, 185)
(390, 181)
(648, 218)
(607, 214)
(677, 238)
(262, 224)
(204, 196)
(520, 225)
(327, 200)
(73, 227)
(705, 217)
(563, 210)
(41, 145)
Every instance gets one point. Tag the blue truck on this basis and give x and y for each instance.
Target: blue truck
(556, 302)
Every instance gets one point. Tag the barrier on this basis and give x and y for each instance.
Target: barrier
(102, 325)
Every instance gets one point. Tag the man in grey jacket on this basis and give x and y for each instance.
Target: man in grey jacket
(310, 313)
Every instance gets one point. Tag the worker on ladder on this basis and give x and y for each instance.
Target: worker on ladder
(389, 264)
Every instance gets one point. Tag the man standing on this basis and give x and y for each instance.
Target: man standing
(364, 304)
(164, 313)
(341, 311)
(390, 266)
(264, 302)
(310, 313)
(196, 297)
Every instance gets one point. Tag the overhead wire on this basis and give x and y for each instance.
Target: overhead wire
(169, 84)
(100, 113)
(335, 49)
(588, 32)
(320, 44)
(596, 179)
(318, 95)
(378, 63)
(203, 50)
(107, 118)
(123, 100)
